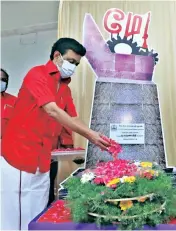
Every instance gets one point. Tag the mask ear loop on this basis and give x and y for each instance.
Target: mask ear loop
(62, 58)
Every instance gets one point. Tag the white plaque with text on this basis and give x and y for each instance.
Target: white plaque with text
(128, 133)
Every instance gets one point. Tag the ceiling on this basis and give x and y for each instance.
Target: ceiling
(28, 16)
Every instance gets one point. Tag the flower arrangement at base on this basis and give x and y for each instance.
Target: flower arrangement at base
(129, 194)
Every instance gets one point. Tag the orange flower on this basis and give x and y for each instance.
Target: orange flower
(142, 199)
(113, 182)
(124, 205)
(154, 173)
(151, 171)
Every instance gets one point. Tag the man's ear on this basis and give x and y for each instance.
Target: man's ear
(56, 54)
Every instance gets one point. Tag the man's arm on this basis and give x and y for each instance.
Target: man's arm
(75, 124)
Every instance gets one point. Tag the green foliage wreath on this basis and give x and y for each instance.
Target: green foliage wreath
(130, 205)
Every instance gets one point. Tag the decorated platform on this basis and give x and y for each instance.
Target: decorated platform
(57, 217)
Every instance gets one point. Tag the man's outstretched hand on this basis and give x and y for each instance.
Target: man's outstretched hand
(97, 139)
(105, 144)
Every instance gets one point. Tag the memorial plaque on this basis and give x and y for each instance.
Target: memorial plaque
(128, 133)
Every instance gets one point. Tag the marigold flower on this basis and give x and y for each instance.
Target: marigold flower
(113, 182)
(151, 171)
(146, 164)
(124, 205)
(130, 179)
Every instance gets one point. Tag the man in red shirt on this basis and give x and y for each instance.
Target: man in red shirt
(25, 160)
(7, 101)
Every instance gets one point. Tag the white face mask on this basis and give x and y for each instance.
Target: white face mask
(67, 69)
(3, 86)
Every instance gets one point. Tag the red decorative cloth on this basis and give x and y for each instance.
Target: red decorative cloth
(172, 221)
(57, 213)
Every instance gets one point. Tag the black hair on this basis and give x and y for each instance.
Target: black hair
(5, 73)
(64, 44)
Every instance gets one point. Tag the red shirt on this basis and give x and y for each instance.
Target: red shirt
(7, 104)
(66, 133)
(66, 137)
(64, 101)
(24, 144)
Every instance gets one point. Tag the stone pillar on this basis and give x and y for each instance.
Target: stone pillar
(112, 102)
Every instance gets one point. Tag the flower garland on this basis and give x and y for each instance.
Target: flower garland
(131, 201)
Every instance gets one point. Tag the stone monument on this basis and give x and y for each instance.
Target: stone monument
(125, 103)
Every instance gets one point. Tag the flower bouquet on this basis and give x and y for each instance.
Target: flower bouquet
(129, 194)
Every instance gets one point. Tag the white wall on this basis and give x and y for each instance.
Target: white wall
(18, 14)
(28, 29)
(21, 52)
